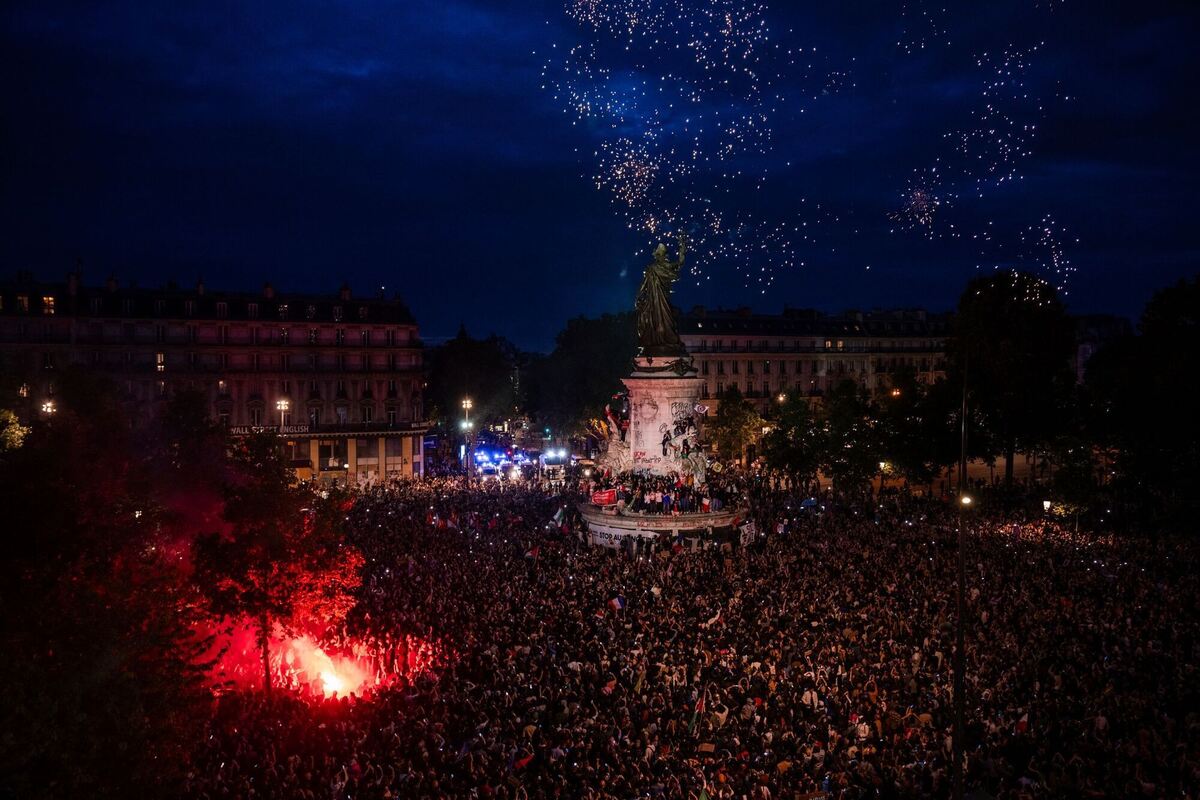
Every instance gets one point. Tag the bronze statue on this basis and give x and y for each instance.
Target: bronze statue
(657, 333)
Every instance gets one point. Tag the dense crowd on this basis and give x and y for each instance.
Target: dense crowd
(814, 662)
(636, 493)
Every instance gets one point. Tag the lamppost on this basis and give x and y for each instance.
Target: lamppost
(282, 405)
(49, 407)
(965, 501)
(469, 460)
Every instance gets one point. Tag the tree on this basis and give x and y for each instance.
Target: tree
(795, 444)
(852, 447)
(480, 369)
(1012, 345)
(12, 432)
(106, 686)
(569, 387)
(283, 562)
(1140, 395)
(735, 426)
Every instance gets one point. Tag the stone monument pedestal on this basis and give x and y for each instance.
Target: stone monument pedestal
(664, 422)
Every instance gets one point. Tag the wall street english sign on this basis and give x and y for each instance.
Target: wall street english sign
(281, 430)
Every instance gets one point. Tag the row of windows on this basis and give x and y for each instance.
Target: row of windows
(97, 307)
(797, 345)
(314, 390)
(255, 362)
(798, 368)
(23, 304)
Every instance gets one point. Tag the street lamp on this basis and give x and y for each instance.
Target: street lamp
(282, 405)
(467, 405)
(49, 407)
(782, 397)
(895, 392)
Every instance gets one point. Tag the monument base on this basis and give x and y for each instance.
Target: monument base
(664, 418)
(607, 528)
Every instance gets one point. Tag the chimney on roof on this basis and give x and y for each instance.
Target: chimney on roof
(268, 290)
(110, 285)
(344, 292)
(200, 286)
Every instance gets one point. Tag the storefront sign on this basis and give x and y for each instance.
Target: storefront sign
(281, 430)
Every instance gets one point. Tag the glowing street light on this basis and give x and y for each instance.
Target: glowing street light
(49, 407)
(895, 392)
(966, 500)
(782, 397)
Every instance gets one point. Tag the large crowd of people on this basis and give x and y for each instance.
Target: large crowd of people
(813, 662)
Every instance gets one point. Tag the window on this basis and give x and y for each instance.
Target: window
(223, 419)
(162, 388)
(283, 335)
(720, 367)
(391, 416)
(841, 344)
(189, 307)
(222, 309)
(703, 367)
(339, 337)
(341, 388)
(191, 359)
(47, 361)
(256, 417)
(48, 305)
(160, 362)
(362, 312)
(366, 338)
(720, 388)
(828, 344)
(391, 338)
(223, 360)
(310, 312)
(749, 368)
(95, 304)
(733, 367)
(313, 335)
(223, 334)
(391, 361)
(160, 333)
(766, 368)
(314, 416)
(160, 307)
(283, 310)
(254, 361)
(24, 390)
(337, 313)
(368, 413)
(703, 345)
(252, 310)
(23, 303)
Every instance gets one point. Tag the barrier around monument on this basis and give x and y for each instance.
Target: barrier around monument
(608, 529)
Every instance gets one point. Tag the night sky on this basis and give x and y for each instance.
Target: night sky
(417, 146)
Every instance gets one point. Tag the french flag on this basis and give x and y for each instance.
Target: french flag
(617, 603)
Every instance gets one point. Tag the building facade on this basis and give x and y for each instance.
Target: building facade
(766, 355)
(338, 378)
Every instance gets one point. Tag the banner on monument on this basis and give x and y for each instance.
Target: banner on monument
(607, 497)
(747, 533)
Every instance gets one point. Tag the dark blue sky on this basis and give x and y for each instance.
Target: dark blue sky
(409, 144)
